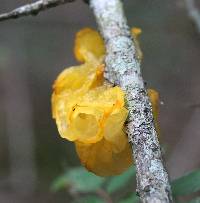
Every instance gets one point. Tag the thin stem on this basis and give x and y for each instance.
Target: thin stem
(32, 9)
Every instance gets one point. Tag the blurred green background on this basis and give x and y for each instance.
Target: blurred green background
(34, 50)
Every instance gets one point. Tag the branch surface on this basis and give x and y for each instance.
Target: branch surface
(32, 9)
(123, 69)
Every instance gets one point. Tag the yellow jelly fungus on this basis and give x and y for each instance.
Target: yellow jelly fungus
(88, 41)
(136, 32)
(154, 99)
(91, 112)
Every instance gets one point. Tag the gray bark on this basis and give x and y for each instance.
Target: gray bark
(123, 69)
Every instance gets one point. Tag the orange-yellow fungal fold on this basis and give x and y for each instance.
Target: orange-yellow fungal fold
(90, 112)
(155, 100)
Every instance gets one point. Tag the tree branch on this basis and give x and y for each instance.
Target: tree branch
(123, 69)
(193, 13)
(32, 9)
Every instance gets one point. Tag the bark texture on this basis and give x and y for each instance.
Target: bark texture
(123, 69)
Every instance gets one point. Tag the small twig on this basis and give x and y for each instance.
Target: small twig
(193, 13)
(123, 69)
(32, 9)
(104, 195)
(193, 105)
(99, 192)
